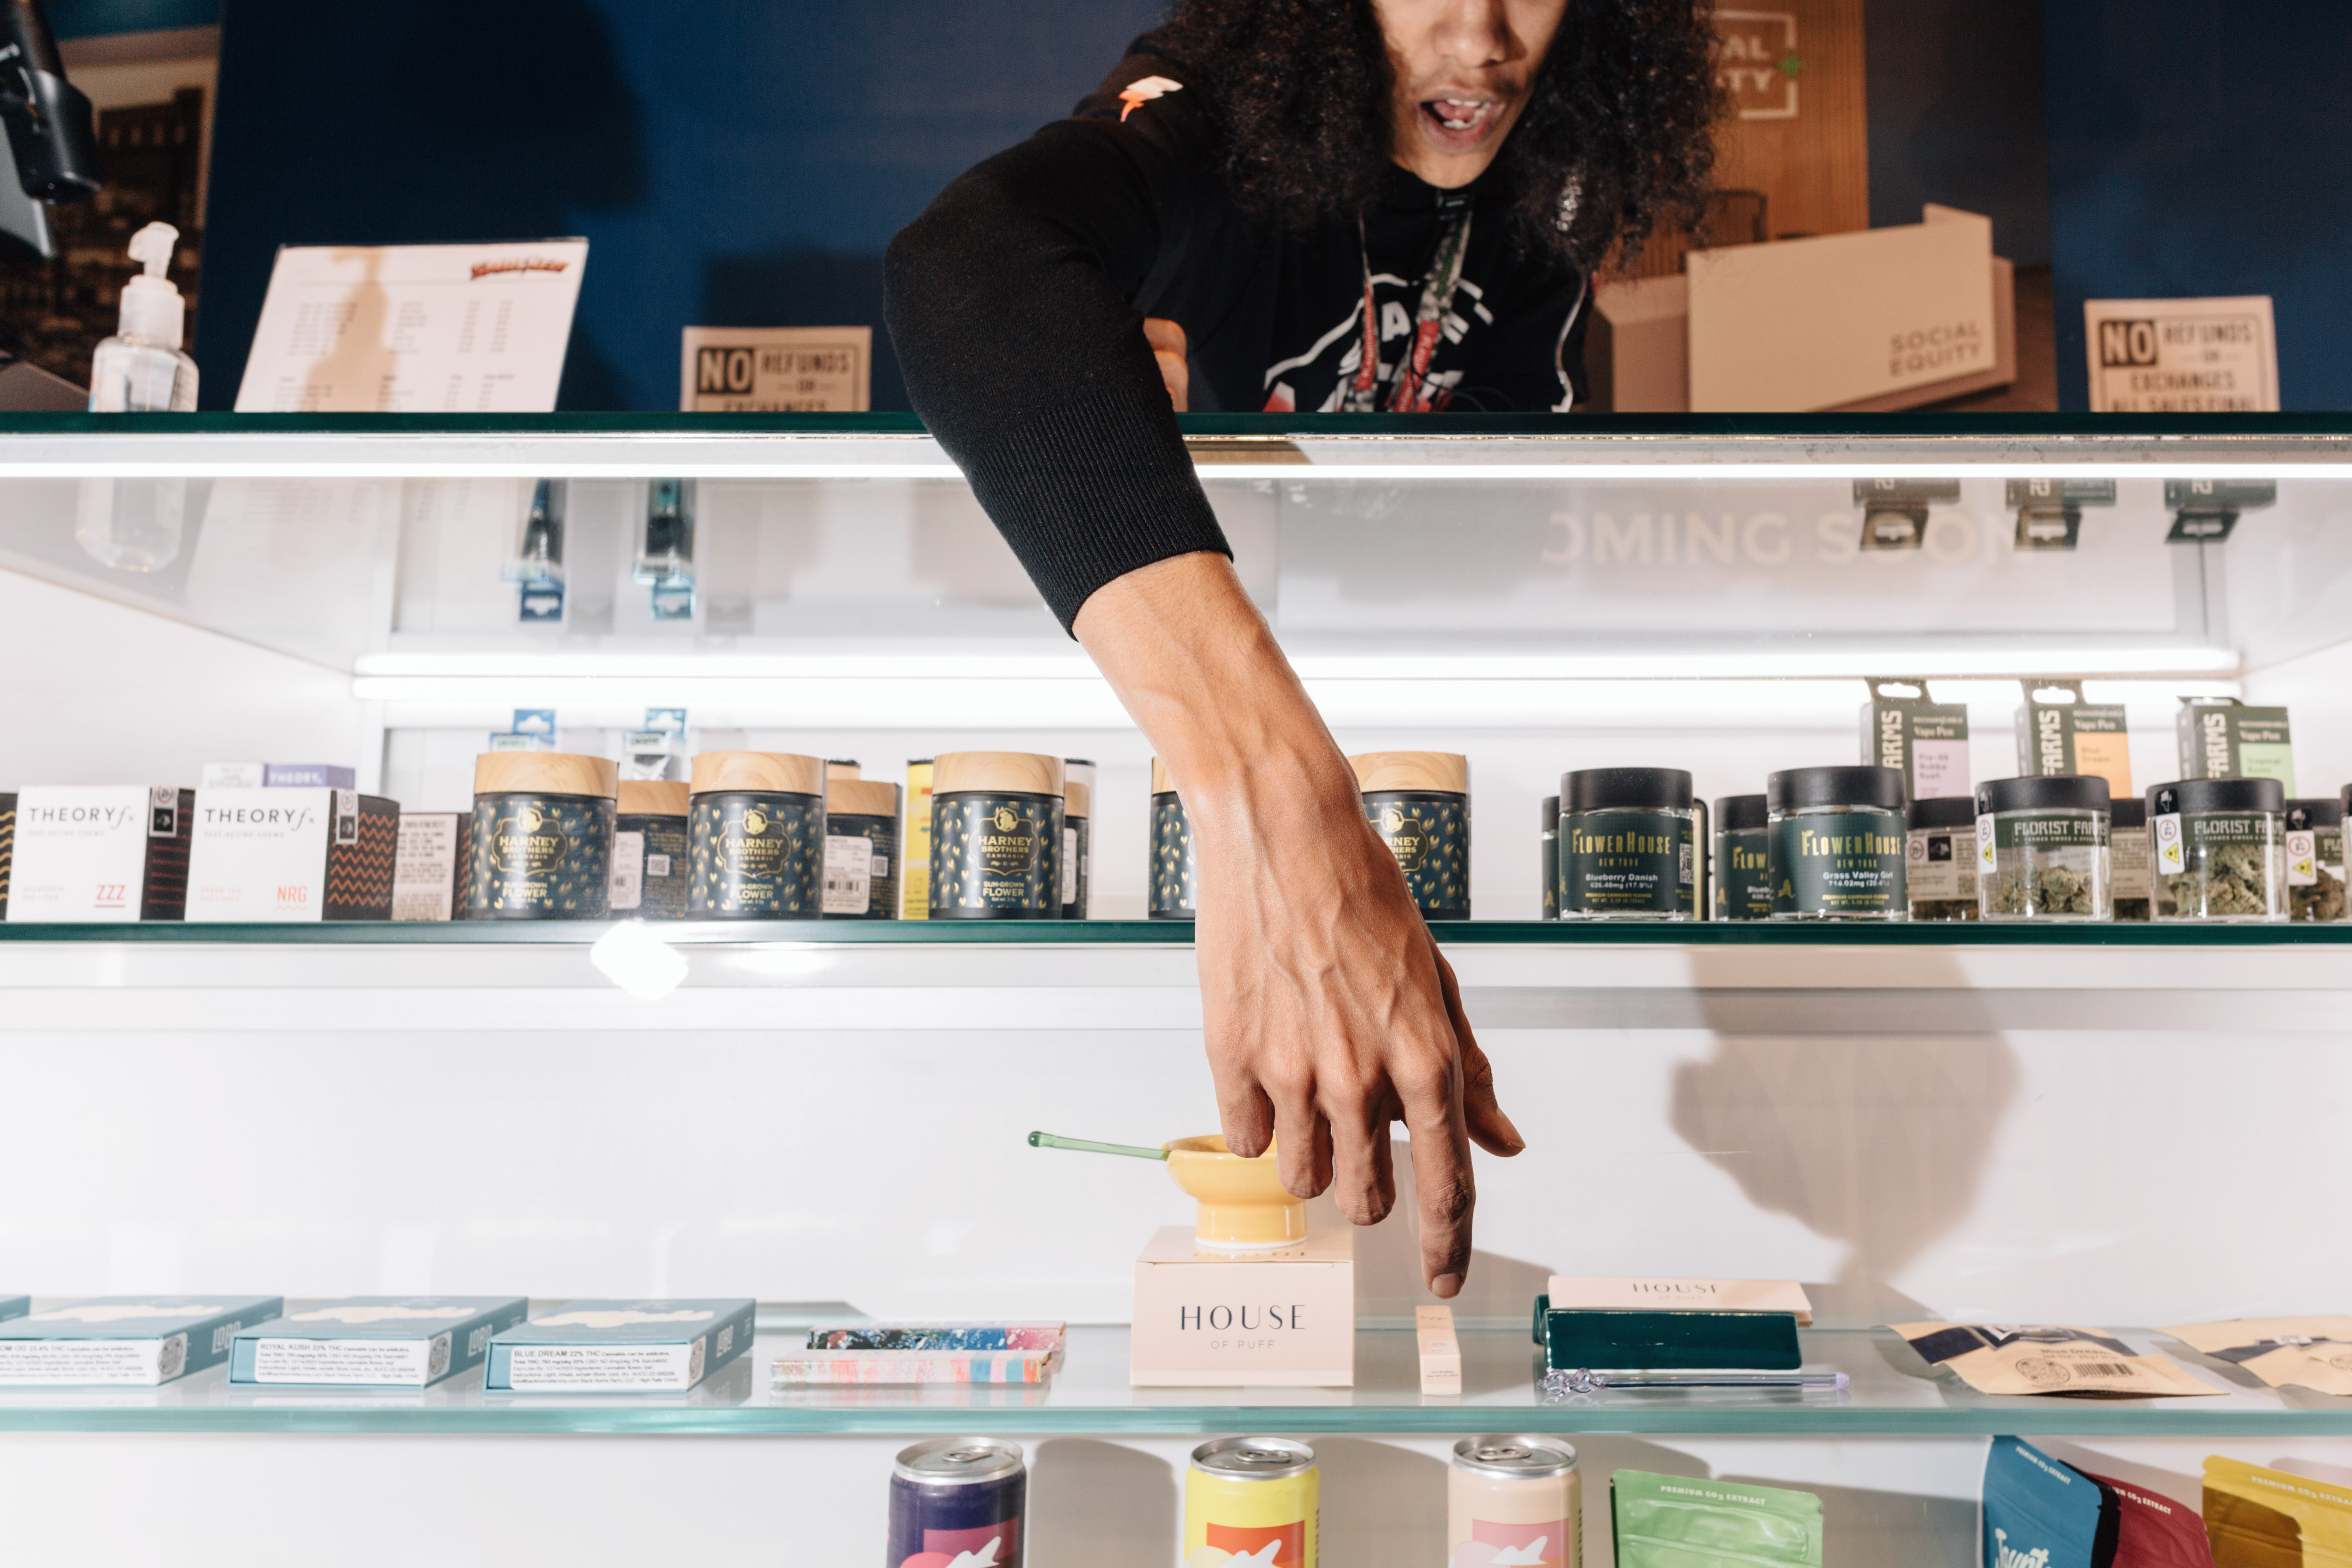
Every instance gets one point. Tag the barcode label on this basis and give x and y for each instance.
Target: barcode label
(848, 875)
(2107, 1369)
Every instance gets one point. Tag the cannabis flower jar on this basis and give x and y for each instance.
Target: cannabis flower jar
(1940, 866)
(2042, 849)
(1743, 858)
(757, 836)
(541, 837)
(1629, 845)
(1077, 802)
(1548, 863)
(649, 849)
(861, 847)
(2315, 860)
(996, 836)
(1837, 843)
(2217, 849)
(1419, 802)
(1174, 889)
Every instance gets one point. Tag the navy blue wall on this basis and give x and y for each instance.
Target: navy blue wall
(1956, 116)
(733, 163)
(2204, 147)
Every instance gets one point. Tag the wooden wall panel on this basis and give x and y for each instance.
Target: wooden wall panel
(1802, 139)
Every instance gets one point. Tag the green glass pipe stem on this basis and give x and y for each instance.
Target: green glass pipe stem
(1047, 1140)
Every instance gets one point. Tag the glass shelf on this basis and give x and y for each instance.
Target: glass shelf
(1092, 1396)
(1179, 933)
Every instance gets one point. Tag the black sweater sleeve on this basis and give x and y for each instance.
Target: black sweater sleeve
(1007, 302)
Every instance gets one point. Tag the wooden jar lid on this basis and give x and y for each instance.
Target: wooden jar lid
(768, 772)
(1438, 773)
(1161, 783)
(653, 798)
(859, 798)
(996, 772)
(545, 772)
(839, 768)
(1073, 797)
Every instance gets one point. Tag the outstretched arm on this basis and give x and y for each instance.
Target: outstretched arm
(1330, 1012)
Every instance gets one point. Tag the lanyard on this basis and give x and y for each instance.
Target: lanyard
(1407, 379)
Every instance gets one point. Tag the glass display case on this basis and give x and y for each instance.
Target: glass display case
(2126, 1124)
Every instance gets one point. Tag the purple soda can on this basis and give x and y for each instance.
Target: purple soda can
(956, 1502)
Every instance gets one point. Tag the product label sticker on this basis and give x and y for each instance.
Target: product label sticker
(1839, 864)
(1940, 867)
(2167, 850)
(1939, 768)
(1069, 865)
(137, 1363)
(657, 864)
(1615, 862)
(392, 1363)
(629, 870)
(2301, 860)
(2128, 864)
(163, 812)
(590, 1369)
(347, 816)
(1986, 832)
(848, 874)
(424, 867)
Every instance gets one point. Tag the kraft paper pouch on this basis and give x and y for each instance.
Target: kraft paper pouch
(1675, 1521)
(2268, 1519)
(2297, 1353)
(2152, 1531)
(2011, 1358)
(2041, 1513)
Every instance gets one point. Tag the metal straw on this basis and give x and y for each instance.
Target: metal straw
(1048, 1141)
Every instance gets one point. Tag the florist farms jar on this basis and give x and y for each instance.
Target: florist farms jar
(996, 836)
(1076, 844)
(2315, 860)
(649, 849)
(1419, 802)
(2128, 857)
(1940, 857)
(2217, 849)
(757, 836)
(1629, 845)
(1837, 844)
(861, 848)
(2042, 849)
(1549, 863)
(541, 837)
(1175, 871)
(1743, 858)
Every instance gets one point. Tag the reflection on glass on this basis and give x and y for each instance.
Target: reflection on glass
(131, 525)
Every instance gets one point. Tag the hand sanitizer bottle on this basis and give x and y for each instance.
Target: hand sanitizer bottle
(141, 369)
(135, 524)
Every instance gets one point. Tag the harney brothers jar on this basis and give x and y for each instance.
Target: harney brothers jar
(1630, 840)
(2217, 849)
(2042, 849)
(1175, 879)
(1837, 844)
(1939, 866)
(757, 836)
(541, 842)
(1419, 802)
(996, 836)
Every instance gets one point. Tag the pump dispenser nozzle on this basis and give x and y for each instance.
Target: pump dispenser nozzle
(151, 306)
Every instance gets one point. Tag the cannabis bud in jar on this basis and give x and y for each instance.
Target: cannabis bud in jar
(2217, 849)
(2314, 859)
(2042, 849)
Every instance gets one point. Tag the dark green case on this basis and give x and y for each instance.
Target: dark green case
(1625, 1341)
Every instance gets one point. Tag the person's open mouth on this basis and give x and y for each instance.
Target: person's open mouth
(1459, 124)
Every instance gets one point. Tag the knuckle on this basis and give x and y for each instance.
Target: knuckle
(1449, 1202)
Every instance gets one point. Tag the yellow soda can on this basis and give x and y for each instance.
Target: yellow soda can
(1252, 1502)
(1514, 1499)
(915, 883)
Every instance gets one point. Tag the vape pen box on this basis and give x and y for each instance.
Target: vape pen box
(426, 873)
(373, 1342)
(1926, 741)
(2221, 737)
(621, 1347)
(2073, 737)
(291, 855)
(127, 1341)
(100, 854)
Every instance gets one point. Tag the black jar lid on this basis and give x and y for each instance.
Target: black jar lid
(1735, 813)
(1800, 787)
(1552, 814)
(1624, 789)
(2217, 794)
(2129, 811)
(2051, 792)
(2304, 815)
(1943, 810)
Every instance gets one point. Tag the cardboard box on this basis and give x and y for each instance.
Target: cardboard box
(1681, 1292)
(291, 855)
(1441, 1351)
(1211, 1319)
(428, 864)
(135, 1341)
(373, 1341)
(1927, 741)
(621, 1347)
(100, 854)
(2058, 734)
(2221, 737)
(277, 775)
(15, 1307)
